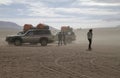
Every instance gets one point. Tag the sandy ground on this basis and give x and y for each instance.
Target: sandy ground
(70, 61)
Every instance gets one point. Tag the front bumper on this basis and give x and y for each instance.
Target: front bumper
(9, 39)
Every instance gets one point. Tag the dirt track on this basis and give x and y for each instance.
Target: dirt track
(71, 61)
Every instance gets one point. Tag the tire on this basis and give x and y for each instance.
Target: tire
(43, 42)
(17, 42)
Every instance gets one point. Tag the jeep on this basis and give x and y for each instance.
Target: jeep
(33, 36)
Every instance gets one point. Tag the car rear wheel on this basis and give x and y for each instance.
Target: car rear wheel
(17, 42)
(44, 42)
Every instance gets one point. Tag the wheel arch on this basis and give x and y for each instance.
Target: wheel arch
(18, 38)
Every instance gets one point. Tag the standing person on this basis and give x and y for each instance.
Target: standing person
(64, 38)
(59, 38)
(89, 36)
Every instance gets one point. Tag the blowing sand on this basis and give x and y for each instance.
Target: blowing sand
(70, 61)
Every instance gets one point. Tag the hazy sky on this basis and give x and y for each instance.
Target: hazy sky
(57, 13)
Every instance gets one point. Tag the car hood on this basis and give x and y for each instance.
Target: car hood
(13, 35)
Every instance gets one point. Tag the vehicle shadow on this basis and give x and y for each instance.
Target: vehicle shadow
(33, 45)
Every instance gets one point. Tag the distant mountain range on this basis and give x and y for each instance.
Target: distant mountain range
(118, 26)
(9, 25)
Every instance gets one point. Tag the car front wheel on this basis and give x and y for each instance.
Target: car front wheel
(17, 42)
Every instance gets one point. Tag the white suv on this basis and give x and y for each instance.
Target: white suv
(34, 36)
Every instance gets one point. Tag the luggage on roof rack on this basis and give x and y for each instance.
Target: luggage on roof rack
(27, 27)
(42, 26)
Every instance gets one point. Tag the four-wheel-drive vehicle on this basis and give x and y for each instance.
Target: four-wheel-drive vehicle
(69, 34)
(34, 36)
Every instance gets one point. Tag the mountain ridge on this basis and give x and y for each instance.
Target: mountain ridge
(9, 25)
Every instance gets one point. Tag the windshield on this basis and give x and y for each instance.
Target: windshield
(20, 33)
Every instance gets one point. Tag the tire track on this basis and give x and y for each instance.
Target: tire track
(105, 70)
(63, 70)
(73, 72)
(61, 66)
(93, 63)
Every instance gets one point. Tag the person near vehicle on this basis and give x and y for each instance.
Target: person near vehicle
(89, 36)
(59, 38)
(64, 38)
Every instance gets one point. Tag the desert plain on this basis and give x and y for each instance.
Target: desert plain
(67, 61)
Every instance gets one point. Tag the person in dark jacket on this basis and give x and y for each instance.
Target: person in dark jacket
(59, 38)
(89, 36)
(64, 38)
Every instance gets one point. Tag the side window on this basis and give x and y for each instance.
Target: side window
(42, 32)
(47, 32)
(36, 33)
(29, 34)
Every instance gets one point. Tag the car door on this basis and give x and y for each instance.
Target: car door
(37, 35)
(29, 37)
